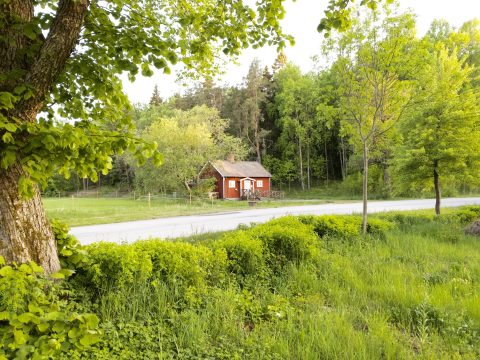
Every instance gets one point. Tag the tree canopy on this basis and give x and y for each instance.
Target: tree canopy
(62, 106)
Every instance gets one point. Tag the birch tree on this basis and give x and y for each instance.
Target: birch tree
(372, 67)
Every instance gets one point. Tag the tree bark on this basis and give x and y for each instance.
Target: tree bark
(343, 159)
(365, 189)
(436, 182)
(326, 161)
(25, 233)
(387, 180)
(300, 156)
(309, 181)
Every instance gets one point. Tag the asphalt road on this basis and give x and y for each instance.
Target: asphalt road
(196, 224)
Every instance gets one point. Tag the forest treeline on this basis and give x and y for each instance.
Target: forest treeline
(385, 110)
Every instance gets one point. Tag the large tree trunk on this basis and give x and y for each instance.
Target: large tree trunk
(365, 189)
(25, 233)
(436, 182)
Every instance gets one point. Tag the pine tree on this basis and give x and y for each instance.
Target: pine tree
(156, 99)
(280, 62)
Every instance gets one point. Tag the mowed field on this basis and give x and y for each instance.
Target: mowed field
(91, 211)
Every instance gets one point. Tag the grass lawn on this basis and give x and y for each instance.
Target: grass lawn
(90, 211)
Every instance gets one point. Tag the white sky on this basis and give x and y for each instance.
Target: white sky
(301, 20)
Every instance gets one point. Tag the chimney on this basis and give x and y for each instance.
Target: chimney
(231, 158)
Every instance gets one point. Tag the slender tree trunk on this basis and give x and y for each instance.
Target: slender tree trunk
(436, 182)
(308, 167)
(185, 182)
(387, 180)
(257, 139)
(25, 233)
(326, 161)
(300, 157)
(365, 189)
(343, 159)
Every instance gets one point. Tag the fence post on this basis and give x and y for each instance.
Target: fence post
(149, 201)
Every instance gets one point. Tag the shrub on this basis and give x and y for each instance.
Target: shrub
(333, 226)
(245, 254)
(286, 240)
(36, 322)
(112, 265)
(408, 219)
(184, 269)
(182, 264)
(462, 216)
(379, 227)
(70, 252)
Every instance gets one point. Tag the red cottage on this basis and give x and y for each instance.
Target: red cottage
(238, 179)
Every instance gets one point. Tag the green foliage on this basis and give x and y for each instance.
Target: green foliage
(338, 14)
(182, 268)
(187, 140)
(123, 37)
(296, 100)
(250, 293)
(446, 127)
(333, 226)
(71, 254)
(411, 295)
(36, 319)
(379, 227)
(245, 255)
(287, 241)
(345, 227)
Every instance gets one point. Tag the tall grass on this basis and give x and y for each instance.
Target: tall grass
(412, 293)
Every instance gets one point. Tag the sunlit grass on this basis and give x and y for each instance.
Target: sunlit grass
(413, 293)
(90, 211)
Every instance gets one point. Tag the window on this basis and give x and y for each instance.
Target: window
(259, 183)
(231, 184)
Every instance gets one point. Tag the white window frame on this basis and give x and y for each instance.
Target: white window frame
(231, 184)
(259, 183)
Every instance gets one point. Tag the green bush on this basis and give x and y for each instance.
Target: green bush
(379, 227)
(36, 322)
(70, 252)
(245, 255)
(286, 240)
(185, 270)
(462, 216)
(113, 265)
(182, 264)
(408, 218)
(333, 225)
